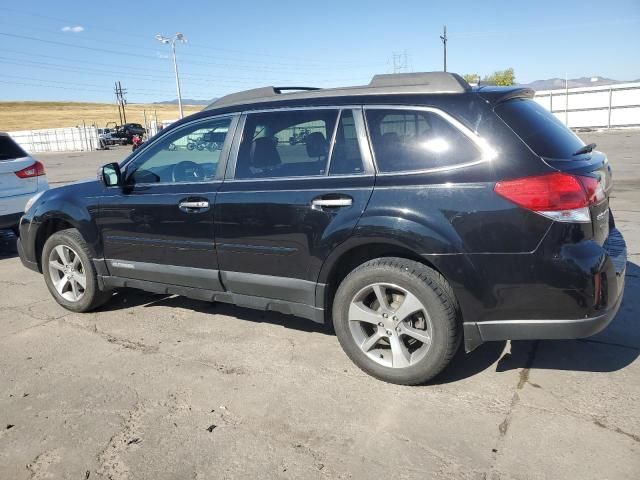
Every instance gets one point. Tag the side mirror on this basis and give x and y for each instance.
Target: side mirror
(110, 175)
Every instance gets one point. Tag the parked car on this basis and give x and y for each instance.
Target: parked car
(127, 131)
(21, 179)
(106, 135)
(420, 213)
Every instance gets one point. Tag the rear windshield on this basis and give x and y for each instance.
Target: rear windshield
(540, 129)
(10, 149)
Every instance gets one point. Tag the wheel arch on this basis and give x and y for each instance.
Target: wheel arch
(354, 253)
(54, 223)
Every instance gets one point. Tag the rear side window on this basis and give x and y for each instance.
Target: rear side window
(539, 129)
(408, 140)
(286, 144)
(9, 149)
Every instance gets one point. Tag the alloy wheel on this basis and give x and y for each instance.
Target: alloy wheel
(390, 325)
(67, 273)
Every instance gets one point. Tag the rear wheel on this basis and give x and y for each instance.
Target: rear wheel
(69, 272)
(397, 320)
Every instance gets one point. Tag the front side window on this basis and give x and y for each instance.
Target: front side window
(188, 155)
(410, 140)
(292, 143)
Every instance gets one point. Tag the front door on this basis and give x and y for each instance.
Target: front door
(300, 182)
(158, 226)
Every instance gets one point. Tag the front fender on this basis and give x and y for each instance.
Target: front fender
(68, 205)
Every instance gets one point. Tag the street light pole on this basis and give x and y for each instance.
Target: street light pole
(172, 41)
(175, 68)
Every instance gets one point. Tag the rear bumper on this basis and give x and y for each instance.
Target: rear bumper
(586, 309)
(480, 332)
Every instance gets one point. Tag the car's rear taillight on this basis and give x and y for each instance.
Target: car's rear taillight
(35, 170)
(559, 196)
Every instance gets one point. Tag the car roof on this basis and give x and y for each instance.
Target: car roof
(385, 84)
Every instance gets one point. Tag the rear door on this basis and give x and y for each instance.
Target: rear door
(299, 183)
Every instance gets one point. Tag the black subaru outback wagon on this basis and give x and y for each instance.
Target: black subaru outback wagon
(414, 213)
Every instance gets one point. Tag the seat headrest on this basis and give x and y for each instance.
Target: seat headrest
(264, 153)
(317, 145)
(390, 138)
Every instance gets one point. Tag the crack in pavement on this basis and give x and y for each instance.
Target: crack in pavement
(29, 327)
(39, 468)
(152, 349)
(111, 465)
(611, 344)
(601, 424)
(581, 416)
(123, 342)
(503, 427)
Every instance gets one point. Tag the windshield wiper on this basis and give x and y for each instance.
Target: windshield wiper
(585, 149)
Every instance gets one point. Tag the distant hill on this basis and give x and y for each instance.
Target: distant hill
(556, 83)
(186, 101)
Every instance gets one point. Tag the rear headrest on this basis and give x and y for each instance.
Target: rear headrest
(390, 138)
(317, 145)
(264, 153)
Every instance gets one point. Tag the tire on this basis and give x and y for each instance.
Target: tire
(403, 349)
(62, 248)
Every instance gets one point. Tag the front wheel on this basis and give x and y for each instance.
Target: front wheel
(69, 272)
(397, 320)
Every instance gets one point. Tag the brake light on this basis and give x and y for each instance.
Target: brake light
(559, 196)
(35, 170)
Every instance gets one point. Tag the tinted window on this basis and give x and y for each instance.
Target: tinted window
(190, 154)
(10, 149)
(406, 140)
(285, 144)
(539, 128)
(345, 157)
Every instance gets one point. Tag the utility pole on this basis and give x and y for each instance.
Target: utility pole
(443, 37)
(400, 64)
(118, 101)
(123, 101)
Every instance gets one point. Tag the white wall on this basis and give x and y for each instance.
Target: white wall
(599, 107)
(57, 139)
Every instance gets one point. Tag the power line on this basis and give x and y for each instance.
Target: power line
(208, 77)
(121, 32)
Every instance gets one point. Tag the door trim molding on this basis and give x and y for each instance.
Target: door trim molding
(202, 278)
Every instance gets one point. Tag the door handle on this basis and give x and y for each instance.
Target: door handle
(190, 205)
(319, 203)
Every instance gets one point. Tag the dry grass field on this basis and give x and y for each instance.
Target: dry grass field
(32, 115)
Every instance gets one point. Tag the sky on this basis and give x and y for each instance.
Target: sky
(65, 50)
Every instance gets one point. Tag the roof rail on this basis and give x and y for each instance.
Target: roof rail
(254, 93)
(396, 83)
(441, 82)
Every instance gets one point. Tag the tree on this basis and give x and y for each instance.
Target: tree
(502, 78)
(471, 77)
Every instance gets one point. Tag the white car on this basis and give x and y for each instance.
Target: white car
(21, 178)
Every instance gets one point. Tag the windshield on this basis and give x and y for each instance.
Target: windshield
(539, 129)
